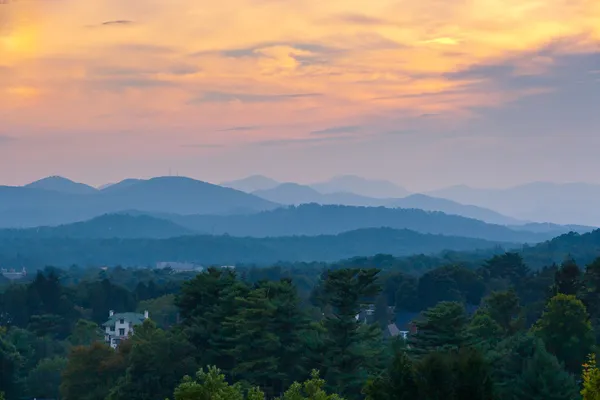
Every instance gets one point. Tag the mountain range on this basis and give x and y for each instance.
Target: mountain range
(568, 203)
(227, 250)
(57, 201)
(307, 220)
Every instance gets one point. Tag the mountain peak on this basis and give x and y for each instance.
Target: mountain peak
(60, 184)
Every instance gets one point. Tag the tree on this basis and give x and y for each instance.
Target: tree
(44, 380)
(157, 362)
(352, 349)
(267, 339)
(92, 371)
(442, 327)
(566, 330)
(11, 364)
(523, 370)
(204, 303)
(567, 279)
(313, 389)
(397, 382)
(591, 379)
(504, 309)
(85, 333)
(162, 309)
(211, 385)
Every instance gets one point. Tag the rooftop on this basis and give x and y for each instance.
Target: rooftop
(131, 317)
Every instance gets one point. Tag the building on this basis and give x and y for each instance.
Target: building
(120, 326)
(13, 275)
(179, 267)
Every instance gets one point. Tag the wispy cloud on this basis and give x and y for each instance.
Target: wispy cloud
(203, 146)
(338, 130)
(117, 22)
(240, 129)
(300, 141)
(226, 97)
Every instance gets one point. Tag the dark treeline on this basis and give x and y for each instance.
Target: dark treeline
(495, 330)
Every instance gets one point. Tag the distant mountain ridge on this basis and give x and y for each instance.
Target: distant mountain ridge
(228, 250)
(568, 203)
(29, 207)
(314, 219)
(296, 194)
(109, 226)
(361, 186)
(252, 183)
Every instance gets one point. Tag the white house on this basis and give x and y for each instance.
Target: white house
(120, 326)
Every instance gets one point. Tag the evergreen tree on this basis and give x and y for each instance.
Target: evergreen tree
(157, 362)
(397, 382)
(566, 330)
(442, 327)
(204, 303)
(44, 380)
(11, 364)
(523, 369)
(568, 278)
(268, 340)
(352, 348)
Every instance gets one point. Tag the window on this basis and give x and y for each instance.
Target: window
(122, 332)
(121, 321)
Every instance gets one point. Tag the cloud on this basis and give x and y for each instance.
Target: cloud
(117, 22)
(364, 20)
(337, 130)
(240, 129)
(6, 139)
(226, 97)
(300, 141)
(203, 146)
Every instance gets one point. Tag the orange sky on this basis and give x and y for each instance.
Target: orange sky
(163, 83)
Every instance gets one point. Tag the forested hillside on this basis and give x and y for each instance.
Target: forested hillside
(495, 330)
(225, 250)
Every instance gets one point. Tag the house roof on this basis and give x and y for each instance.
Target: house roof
(131, 317)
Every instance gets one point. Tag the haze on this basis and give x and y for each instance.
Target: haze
(426, 94)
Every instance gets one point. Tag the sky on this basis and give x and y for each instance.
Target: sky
(427, 93)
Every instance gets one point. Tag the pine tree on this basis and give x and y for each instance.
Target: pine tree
(442, 328)
(524, 370)
(352, 348)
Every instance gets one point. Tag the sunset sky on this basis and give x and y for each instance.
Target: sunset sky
(425, 93)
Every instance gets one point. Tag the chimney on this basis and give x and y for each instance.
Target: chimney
(146, 315)
(111, 313)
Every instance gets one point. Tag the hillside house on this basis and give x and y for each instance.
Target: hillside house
(120, 326)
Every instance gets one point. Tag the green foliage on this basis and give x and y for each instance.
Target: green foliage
(313, 389)
(162, 309)
(452, 375)
(566, 330)
(441, 328)
(11, 364)
(591, 379)
(397, 382)
(267, 341)
(352, 349)
(85, 333)
(567, 279)
(44, 380)
(92, 371)
(155, 364)
(211, 385)
(524, 370)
